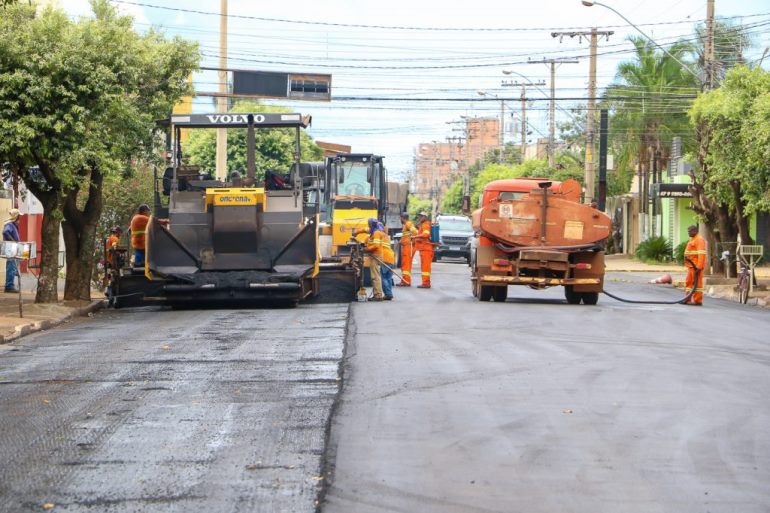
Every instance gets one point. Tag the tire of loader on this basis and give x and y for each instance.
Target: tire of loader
(590, 298)
(500, 294)
(572, 297)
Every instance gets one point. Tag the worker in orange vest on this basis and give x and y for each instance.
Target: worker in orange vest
(408, 231)
(695, 258)
(138, 230)
(112, 241)
(381, 261)
(423, 244)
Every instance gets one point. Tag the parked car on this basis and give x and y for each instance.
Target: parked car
(455, 234)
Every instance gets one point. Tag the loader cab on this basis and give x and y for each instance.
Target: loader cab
(354, 190)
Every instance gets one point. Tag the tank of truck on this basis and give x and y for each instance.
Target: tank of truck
(535, 232)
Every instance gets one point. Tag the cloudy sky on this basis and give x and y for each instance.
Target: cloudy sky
(386, 56)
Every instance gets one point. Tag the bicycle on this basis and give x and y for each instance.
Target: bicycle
(746, 275)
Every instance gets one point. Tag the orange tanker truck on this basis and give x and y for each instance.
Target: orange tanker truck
(535, 232)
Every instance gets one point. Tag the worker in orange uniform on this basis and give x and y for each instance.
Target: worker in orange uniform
(382, 258)
(695, 259)
(408, 231)
(423, 244)
(138, 230)
(112, 242)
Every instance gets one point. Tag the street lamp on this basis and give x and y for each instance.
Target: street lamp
(502, 122)
(590, 3)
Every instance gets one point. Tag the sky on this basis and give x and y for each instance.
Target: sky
(386, 58)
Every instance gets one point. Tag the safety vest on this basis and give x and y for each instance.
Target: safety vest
(379, 245)
(138, 229)
(696, 252)
(112, 241)
(408, 230)
(422, 239)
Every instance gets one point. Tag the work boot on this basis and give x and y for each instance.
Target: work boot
(376, 298)
(388, 298)
(12, 291)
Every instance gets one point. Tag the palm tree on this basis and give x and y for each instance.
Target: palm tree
(649, 104)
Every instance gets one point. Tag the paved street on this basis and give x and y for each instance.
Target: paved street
(447, 405)
(170, 411)
(451, 405)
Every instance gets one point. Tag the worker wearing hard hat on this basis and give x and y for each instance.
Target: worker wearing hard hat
(408, 231)
(423, 244)
(694, 259)
(11, 233)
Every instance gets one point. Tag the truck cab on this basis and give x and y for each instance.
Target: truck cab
(455, 234)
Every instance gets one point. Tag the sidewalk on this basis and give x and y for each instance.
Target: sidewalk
(623, 263)
(38, 317)
(714, 286)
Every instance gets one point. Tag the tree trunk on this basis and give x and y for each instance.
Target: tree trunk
(79, 230)
(741, 220)
(47, 284)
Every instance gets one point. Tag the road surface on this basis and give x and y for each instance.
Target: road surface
(171, 411)
(451, 405)
(447, 405)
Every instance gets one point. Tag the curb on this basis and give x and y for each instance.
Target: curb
(26, 329)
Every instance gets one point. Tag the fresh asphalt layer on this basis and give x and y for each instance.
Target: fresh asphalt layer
(152, 410)
(452, 405)
(447, 405)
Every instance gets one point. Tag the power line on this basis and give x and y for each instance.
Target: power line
(410, 28)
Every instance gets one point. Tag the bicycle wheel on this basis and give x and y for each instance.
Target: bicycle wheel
(743, 288)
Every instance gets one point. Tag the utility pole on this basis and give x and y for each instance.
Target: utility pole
(590, 171)
(552, 109)
(523, 86)
(221, 157)
(709, 50)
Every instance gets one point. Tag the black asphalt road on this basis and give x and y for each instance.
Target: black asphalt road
(171, 411)
(451, 405)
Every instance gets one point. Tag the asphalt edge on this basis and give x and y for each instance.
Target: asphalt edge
(23, 330)
(328, 461)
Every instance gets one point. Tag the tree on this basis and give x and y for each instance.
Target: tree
(733, 177)
(647, 109)
(274, 148)
(711, 201)
(78, 99)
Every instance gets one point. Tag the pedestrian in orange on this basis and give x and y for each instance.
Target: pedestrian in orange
(423, 244)
(695, 258)
(408, 231)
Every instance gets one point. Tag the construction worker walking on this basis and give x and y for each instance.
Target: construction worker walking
(695, 259)
(423, 244)
(408, 231)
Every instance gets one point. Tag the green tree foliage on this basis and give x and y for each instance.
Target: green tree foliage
(417, 205)
(735, 173)
(452, 200)
(78, 99)
(645, 112)
(274, 148)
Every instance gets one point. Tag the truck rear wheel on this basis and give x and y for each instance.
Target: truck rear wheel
(485, 292)
(590, 298)
(572, 297)
(500, 294)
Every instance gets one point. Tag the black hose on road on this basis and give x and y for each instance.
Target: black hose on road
(679, 301)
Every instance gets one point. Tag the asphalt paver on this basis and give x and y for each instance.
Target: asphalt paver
(148, 410)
